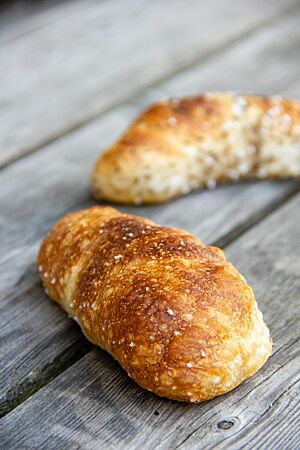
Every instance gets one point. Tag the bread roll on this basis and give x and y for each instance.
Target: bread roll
(177, 146)
(178, 317)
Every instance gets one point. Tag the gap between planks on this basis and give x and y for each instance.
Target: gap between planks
(19, 18)
(246, 34)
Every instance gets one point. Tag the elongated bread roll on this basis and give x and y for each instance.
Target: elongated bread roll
(175, 313)
(180, 145)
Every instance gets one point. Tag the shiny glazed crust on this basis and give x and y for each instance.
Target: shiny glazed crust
(177, 146)
(175, 313)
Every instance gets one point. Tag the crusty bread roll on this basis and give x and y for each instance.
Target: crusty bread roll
(177, 316)
(180, 145)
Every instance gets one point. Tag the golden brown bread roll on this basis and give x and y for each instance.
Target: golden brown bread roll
(180, 145)
(175, 313)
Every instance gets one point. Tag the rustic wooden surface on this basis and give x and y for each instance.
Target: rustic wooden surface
(94, 402)
(69, 64)
(77, 73)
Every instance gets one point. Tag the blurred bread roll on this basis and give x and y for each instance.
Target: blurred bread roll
(180, 145)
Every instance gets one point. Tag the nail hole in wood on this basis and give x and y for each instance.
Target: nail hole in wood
(226, 424)
(156, 413)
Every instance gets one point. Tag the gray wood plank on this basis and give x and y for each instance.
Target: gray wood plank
(92, 57)
(258, 68)
(20, 17)
(94, 404)
(37, 190)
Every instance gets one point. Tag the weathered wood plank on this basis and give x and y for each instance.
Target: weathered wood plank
(56, 180)
(20, 17)
(94, 404)
(258, 67)
(76, 66)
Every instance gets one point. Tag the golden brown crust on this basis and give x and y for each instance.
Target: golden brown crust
(179, 145)
(175, 313)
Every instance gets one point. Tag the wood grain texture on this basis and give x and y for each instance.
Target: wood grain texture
(102, 407)
(37, 190)
(21, 17)
(75, 62)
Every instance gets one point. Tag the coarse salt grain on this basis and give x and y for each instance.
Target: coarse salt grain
(216, 380)
(132, 344)
(237, 109)
(275, 111)
(243, 168)
(209, 160)
(276, 99)
(234, 175)
(187, 317)
(170, 312)
(286, 118)
(211, 184)
(172, 121)
(226, 126)
(262, 172)
(241, 152)
(117, 258)
(192, 151)
(209, 95)
(40, 268)
(189, 364)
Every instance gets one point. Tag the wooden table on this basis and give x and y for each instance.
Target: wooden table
(73, 75)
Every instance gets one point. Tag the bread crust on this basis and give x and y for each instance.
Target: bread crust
(177, 146)
(175, 313)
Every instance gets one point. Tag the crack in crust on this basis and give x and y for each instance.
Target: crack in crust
(177, 146)
(175, 313)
